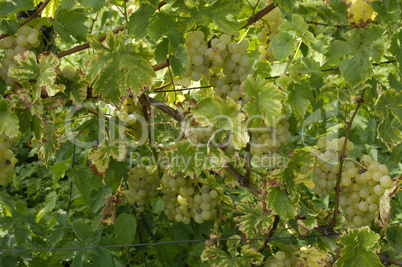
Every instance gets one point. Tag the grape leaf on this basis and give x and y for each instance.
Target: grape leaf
(299, 26)
(360, 45)
(286, 4)
(300, 158)
(224, 116)
(125, 228)
(390, 104)
(9, 122)
(384, 205)
(50, 204)
(358, 248)
(393, 235)
(310, 256)
(44, 72)
(218, 257)
(48, 144)
(283, 45)
(81, 177)
(222, 13)
(254, 220)
(163, 25)
(390, 131)
(139, 20)
(299, 97)
(396, 49)
(266, 104)
(96, 5)
(117, 68)
(100, 157)
(184, 159)
(280, 204)
(70, 24)
(10, 6)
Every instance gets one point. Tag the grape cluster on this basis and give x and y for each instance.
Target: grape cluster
(364, 182)
(267, 142)
(283, 259)
(271, 23)
(185, 199)
(25, 39)
(7, 160)
(69, 72)
(142, 184)
(326, 163)
(224, 63)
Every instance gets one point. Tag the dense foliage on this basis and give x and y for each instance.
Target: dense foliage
(200, 133)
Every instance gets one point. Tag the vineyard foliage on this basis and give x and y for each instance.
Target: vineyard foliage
(200, 133)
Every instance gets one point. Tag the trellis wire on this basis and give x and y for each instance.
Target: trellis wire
(267, 78)
(165, 243)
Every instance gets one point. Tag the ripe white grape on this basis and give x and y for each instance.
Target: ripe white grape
(7, 160)
(142, 186)
(32, 38)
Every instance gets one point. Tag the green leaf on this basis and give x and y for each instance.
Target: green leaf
(390, 104)
(81, 176)
(299, 26)
(96, 5)
(70, 24)
(50, 204)
(43, 71)
(217, 257)
(100, 157)
(267, 102)
(9, 122)
(7, 200)
(394, 237)
(280, 204)
(286, 4)
(55, 236)
(310, 256)
(117, 68)
(125, 228)
(11, 6)
(360, 45)
(396, 49)
(223, 116)
(283, 45)
(49, 143)
(389, 131)
(254, 221)
(139, 20)
(358, 248)
(222, 13)
(299, 97)
(184, 159)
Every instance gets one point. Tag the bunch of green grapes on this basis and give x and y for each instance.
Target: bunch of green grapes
(131, 115)
(327, 163)
(25, 39)
(142, 185)
(283, 259)
(185, 198)
(270, 24)
(69, 72)
(364, 183)
(224, 63)
(7, 160)
(267, 142)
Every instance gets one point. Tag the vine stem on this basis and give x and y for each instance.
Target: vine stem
(252, 19)
(270, 233)
(34, 15)
(341, 159)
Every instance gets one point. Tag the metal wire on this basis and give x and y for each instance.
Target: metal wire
(163, 243)
(267, 78)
